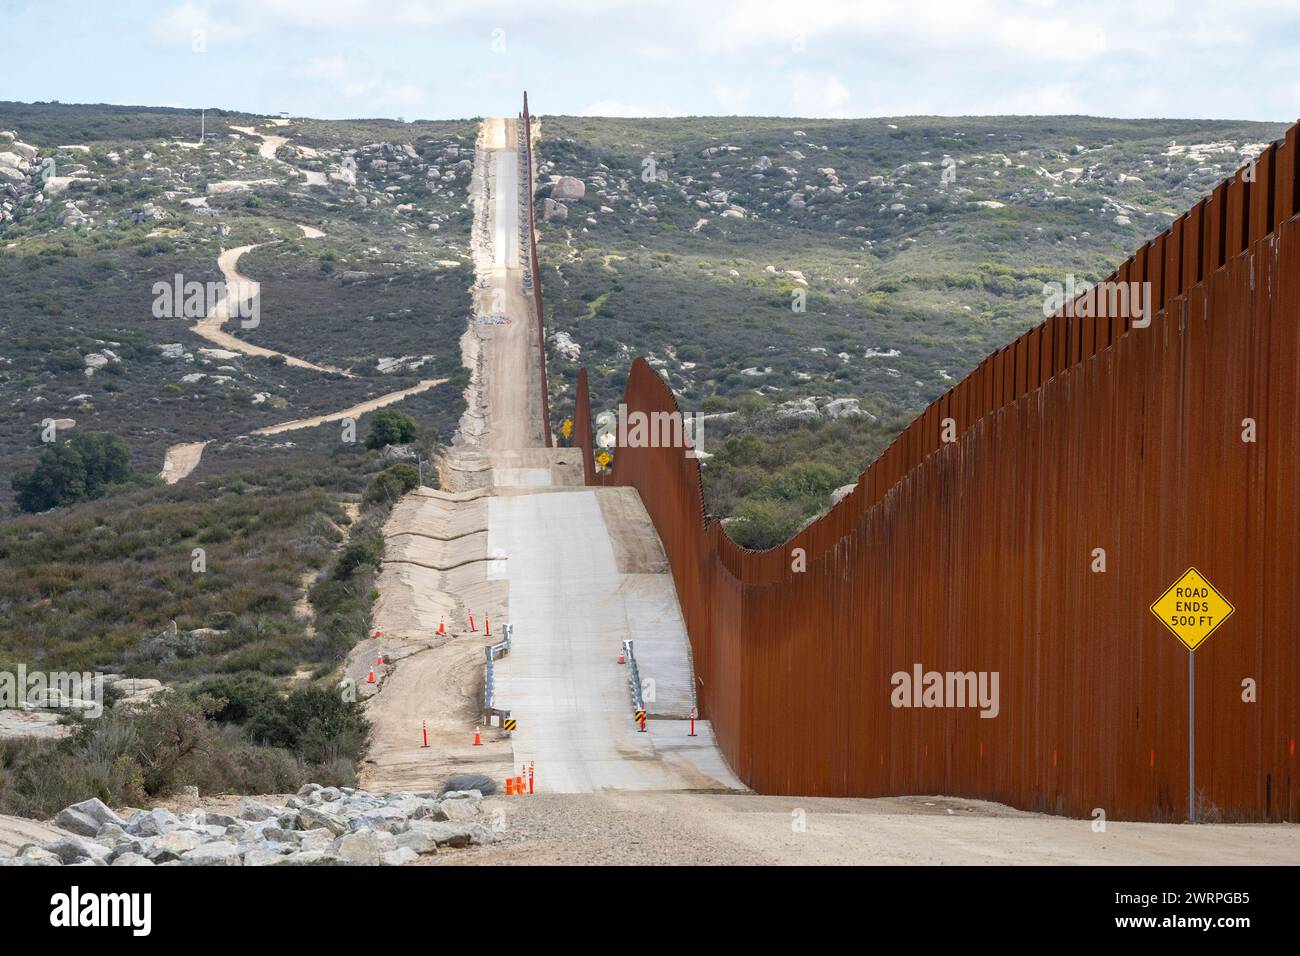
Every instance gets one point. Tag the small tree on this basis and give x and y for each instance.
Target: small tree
(76, 470)
(391, 427)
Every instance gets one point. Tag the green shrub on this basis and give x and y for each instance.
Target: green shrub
(189, 739)
(391, 483)
(363, 550)
(391, 427)
(82, 468)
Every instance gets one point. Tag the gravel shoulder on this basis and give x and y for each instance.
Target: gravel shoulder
(629, 828)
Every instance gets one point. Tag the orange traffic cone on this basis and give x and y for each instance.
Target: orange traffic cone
(478, 738)
(372, 675)
(379, 658)
(442, 628)
(376, 635)
(622, 658)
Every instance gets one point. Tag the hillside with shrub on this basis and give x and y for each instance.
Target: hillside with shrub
(811, 285)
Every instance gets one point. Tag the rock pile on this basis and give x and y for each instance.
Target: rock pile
(30, 180)
(321, 826)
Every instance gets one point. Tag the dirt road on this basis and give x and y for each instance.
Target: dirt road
(241, 289)
(269, 144)
(517, 537)
(183, 458)
(354, 411)
(180, 460)
(16, 832)
(748, 829)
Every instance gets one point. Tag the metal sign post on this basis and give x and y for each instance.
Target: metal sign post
(1191, 735)
(1192, 609)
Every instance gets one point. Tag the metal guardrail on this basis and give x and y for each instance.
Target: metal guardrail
(525, 209)
(633, 677)
(490, 654)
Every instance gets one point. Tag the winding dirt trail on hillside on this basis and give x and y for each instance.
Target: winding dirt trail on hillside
(182, 458)
(270, 143)
(355, 411)
(241, 289)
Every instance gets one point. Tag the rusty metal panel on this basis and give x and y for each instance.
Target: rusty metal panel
(978, 556)
(1156, 270)
(1261, 196)
(1284, 192)
(1193, 233)
(1237, 203)
(1173, 273)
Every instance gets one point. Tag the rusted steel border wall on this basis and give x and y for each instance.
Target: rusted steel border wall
(977, 555)
(537, 275)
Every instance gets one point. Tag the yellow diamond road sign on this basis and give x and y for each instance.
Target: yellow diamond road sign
(1192, 609)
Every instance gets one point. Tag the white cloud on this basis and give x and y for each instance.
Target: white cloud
(350, 80)
(816, 95)
(626, 110)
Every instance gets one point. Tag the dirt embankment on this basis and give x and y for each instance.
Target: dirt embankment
(436, 564)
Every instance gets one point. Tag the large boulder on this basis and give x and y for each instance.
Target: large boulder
(219, 853)
(152, 823)
(73, 849)
(317, 817)
(173, 845)
(452, 833)
(85, 818)
(34, 855)
(841, 407)
(391, 819)
(418, 841)
(398, 856)
(460, 810)
(363, 847)
(250, 809)
(485, 785)
(568, 187)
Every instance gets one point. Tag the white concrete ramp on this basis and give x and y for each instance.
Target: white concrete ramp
(574, 570)
(572, 607)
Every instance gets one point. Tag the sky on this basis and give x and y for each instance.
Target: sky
(419, 59)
